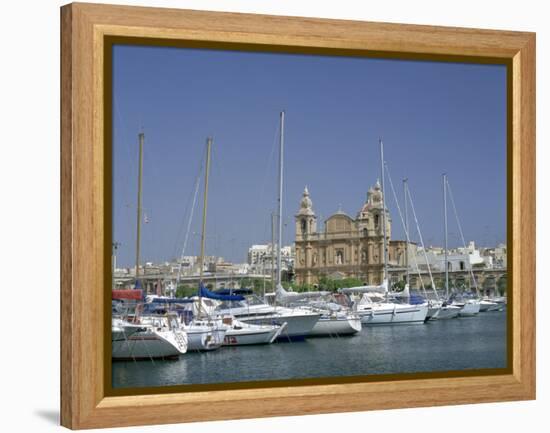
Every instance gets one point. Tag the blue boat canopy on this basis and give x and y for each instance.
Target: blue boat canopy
(171, 300)
(241, 291)
(205, 293)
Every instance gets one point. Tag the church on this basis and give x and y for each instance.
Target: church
(346, 247)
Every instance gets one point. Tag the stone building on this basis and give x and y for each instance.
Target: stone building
(346, 247)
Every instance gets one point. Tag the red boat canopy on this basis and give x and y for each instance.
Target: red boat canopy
(134, 294)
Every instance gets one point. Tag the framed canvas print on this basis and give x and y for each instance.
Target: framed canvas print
(283, 216)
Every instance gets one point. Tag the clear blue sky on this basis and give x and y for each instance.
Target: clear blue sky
(433, 118)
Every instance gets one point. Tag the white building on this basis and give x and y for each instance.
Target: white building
(459, 259)
(261, 257)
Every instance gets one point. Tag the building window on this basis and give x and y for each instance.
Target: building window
(462, 266)
(376, 218)
(365, 232)
(304, 226)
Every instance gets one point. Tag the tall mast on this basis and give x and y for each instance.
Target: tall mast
(384, 212)
(280, 197)
(141, 137)
(204, 209)
(273, 251)
(445, 225)
(405, 186)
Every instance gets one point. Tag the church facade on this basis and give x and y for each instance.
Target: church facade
(346, 247)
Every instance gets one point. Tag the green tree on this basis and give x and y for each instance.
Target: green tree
(399, 286)
(184, 290)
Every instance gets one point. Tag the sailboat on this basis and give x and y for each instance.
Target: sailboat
(375, 306)
(205, 333)
(468, 306)
(212, 330)
(298, 322)
(434, 305)
(437, 308)
(158, 336)
(238, 333)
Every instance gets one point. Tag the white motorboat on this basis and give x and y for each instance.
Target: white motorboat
(160, 337)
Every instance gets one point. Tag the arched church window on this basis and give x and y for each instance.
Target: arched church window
(304, 226)
(376, 218)
(365, 232)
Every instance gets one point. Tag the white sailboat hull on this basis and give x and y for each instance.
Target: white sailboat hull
(298, 325)
(433, 312)
(248, 334)
(448, 312)
(151, 345)
(486, 306)
(470, 308)
(204, 338)
(335, 326)
(388, 314)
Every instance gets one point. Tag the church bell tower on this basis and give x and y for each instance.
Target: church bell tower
(306, 220)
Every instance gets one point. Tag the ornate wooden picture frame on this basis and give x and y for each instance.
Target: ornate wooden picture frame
(87, 34)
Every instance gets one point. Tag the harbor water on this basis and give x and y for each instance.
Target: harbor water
(458, 344)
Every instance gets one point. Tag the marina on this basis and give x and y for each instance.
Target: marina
(477, 342)
(393, 287)
(235, 334)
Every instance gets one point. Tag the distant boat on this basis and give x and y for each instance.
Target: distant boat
(468, 306)
(297, 322)
(486, 305)
(374, 306)
(336, 319)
